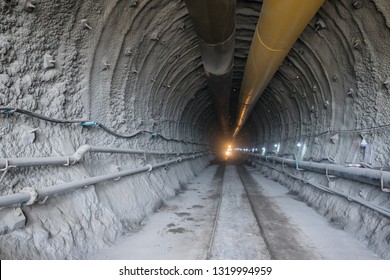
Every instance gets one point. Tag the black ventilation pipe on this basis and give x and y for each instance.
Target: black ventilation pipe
(215, 25)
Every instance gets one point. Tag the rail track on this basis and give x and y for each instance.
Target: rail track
(271, 236)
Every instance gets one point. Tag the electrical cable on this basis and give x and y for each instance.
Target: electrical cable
(354, 131)
(367, 129)
(85, 123)
(9, 110)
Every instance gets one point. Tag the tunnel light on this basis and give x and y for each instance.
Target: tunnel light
(228, 153)
(263, 151)
(299, 145)
(276, 145)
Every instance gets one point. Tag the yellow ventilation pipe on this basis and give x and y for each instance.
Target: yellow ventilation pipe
(280, 24)
(215, 24)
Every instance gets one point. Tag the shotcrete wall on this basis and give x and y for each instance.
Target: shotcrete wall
(329, 102)
(134, 65)
(130, 65)
(370, 227)
(333, 89)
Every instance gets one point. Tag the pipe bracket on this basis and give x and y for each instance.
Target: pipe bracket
(383, 189)
(33, 195)
(6, 166)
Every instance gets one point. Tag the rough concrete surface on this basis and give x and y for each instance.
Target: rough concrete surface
(180, 230)
(369, 227)
(185, 228)
(136, 65)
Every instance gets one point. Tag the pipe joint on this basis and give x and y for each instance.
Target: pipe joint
(78, 155)
(218, 58)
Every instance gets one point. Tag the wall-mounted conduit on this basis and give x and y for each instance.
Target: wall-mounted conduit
(5, 163)
(31, 195)
(363, 175)
(376, 208)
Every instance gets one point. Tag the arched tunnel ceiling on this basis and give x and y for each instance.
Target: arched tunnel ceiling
(136, 65)
(329, 83)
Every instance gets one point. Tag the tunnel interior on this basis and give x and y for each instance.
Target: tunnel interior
(135, 67)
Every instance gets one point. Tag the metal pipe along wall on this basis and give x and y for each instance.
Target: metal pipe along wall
(280, 24)
(6, 163)
(30, 195)
(362, 175)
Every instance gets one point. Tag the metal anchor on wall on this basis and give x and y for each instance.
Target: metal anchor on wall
(320, 24)
(29, 6)
(48, 61)
(85, 23)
